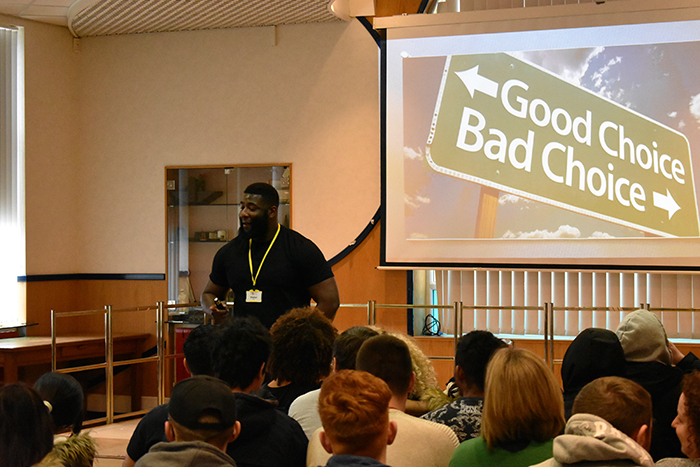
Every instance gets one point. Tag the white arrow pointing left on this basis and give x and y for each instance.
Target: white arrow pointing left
(666, 202)
(475, 82)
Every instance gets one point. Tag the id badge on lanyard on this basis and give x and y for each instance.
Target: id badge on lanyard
(254, 295)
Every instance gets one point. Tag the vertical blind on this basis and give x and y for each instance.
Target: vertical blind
(12, 239)
(566, 289)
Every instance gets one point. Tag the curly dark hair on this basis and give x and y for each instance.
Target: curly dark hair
(691, 390)
(241, 346)
(302, 346)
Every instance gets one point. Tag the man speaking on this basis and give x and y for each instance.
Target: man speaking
(270, 268)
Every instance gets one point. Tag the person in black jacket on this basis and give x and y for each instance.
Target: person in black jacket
(658, 366)
(594, 353)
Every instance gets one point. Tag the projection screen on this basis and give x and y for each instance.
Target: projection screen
(543, 137)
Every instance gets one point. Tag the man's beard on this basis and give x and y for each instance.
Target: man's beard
(257, 230)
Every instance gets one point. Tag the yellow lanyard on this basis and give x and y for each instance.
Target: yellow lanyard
(250, 256)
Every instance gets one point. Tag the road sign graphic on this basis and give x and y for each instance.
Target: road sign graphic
(510, 125)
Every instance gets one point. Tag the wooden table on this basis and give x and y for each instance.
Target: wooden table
(19, 352)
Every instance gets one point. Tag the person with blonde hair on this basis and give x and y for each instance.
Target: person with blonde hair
(523, 412)
(354, 410)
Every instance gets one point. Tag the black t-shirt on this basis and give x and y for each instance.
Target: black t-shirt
(149, 431)
(293, 264)
(285, 395)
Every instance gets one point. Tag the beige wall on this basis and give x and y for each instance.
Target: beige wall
(102, 124)
(52, 184)
(224, 97)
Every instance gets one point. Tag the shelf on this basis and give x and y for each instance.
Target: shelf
(194, 198)
(172, 205)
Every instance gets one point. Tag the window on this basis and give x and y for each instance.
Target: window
(12, 238)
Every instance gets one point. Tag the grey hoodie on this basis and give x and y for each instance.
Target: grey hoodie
(591, 439)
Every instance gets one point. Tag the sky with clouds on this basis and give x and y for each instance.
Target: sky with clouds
(660, 81)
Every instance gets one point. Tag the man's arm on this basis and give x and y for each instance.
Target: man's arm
(325, 294)
(210, 292)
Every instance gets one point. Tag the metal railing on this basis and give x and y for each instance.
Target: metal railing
(161, 310)
(109, 363)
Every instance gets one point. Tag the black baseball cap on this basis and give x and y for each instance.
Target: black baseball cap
(200, 396)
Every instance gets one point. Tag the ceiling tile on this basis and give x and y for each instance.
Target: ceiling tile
(59, 20)
(13, 9)
(46, 11)
(63, 3)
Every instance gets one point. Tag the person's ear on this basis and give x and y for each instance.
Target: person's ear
(325, 442)
(261, 374)
(391, 432)
(235, 432)
(272, 212)
(169, 432)
(643, 436)
(413, 381)
(187, 367)
(459, 373)
(335, 365)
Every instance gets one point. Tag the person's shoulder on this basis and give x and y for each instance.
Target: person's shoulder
(154, 418)
(435, 431)
(462, 406)
(290, 235)
(249, 403)
(471, 448)
(156, 414)
(678, 462)
(304, 402)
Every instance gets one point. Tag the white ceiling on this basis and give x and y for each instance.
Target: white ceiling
(105, 17)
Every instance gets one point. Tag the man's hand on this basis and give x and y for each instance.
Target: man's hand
(212, 291)
(676, 355)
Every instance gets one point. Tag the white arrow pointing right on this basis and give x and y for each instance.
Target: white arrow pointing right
(475, 82)
(666, 202)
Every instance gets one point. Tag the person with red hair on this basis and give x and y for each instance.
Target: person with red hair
(354, 410)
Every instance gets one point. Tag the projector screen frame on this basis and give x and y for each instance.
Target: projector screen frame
(521, 20)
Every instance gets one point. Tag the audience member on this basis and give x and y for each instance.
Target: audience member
(302, 351)
(418, 442)
(523, 412)
(65, 400)
(63, 396)
(354, 409)
(657, 365)
(686, 423)
(269, 437)
(463, 416)
(426, 394)
(304, 409)
(610, 425)
(201, 423)
(594, 353)
(25, 427)
(197, 349)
